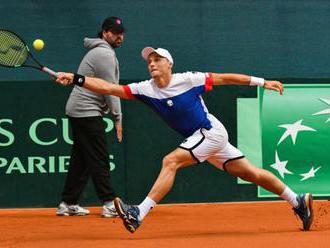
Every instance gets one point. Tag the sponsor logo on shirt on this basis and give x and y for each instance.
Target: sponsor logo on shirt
(169, 103)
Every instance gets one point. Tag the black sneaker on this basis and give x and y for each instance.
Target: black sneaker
(129, 214)
(305, 209)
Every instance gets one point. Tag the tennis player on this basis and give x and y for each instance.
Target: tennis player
(177, 99)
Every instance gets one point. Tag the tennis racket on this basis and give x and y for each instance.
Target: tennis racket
(14, 53)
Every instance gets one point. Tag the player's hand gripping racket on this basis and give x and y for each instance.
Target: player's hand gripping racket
(15, 53)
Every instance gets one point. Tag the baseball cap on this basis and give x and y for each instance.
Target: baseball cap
(160, 51)
(113, 24)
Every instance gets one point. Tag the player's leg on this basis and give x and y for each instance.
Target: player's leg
(228, 159)
(188, 153)
(302, 204)
(194, 149)
(173, 161)
(243, 169)
(132, 216)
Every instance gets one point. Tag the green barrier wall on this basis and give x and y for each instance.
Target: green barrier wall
(35, 149)
(35, 145)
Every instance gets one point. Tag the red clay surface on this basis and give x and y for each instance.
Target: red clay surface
(262, 224)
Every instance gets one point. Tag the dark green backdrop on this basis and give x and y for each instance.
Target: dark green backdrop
(137, 161)
(270, 38)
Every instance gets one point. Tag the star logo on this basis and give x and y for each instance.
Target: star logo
(309, 174)
(325, 111)
(292, 130)
(280, 166)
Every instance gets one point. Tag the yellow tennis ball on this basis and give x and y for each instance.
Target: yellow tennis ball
(38, 44)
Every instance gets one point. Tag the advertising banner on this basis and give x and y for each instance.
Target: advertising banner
(295, 137)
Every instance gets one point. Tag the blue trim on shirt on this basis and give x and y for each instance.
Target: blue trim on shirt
(184, 113)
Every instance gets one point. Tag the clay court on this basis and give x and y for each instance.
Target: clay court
(262, 224)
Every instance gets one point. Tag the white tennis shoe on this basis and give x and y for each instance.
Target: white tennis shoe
(72, 210)
(109, 211)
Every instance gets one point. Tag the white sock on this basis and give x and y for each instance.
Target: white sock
(146, 206)
(290, 196)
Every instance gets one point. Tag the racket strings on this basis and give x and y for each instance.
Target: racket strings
(13, 51)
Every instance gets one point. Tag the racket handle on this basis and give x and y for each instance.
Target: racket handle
(49, 71)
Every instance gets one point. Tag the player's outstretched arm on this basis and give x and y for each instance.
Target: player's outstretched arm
(97, 85)
(241, 79)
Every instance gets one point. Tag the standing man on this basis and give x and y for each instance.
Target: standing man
(177, 99)
(85, 109)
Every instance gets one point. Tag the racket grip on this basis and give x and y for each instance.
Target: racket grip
(49, 71)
